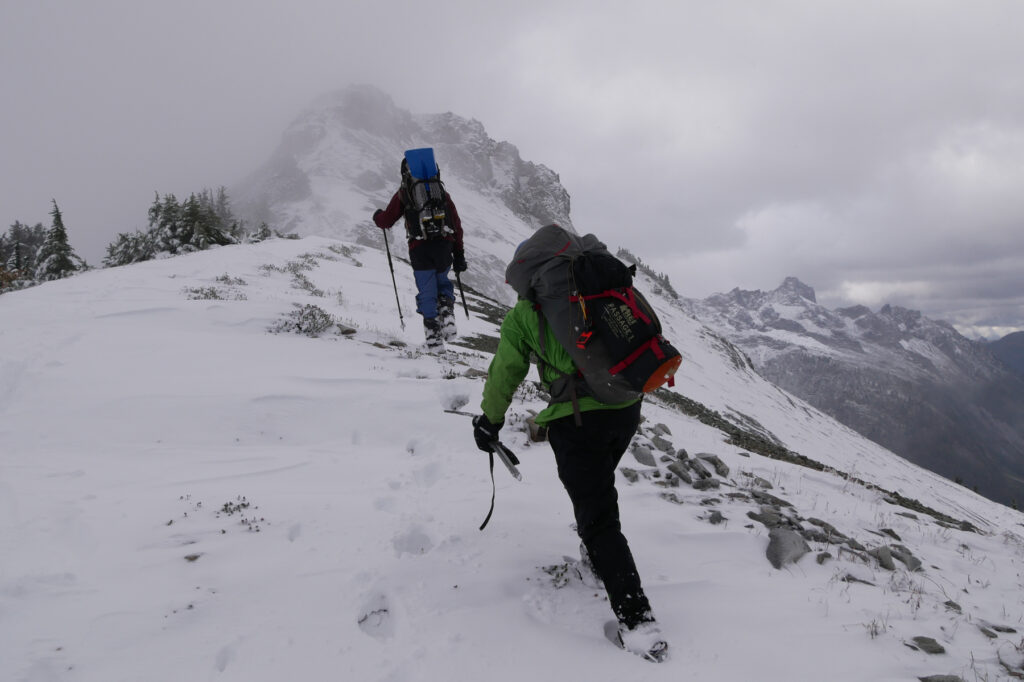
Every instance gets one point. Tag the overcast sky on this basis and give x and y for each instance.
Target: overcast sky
(873, 149)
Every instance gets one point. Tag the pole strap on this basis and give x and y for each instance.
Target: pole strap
(493, 493)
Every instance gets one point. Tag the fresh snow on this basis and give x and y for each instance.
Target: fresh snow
(187, 496)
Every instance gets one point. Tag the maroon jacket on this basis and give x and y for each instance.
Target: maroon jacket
(396, 209)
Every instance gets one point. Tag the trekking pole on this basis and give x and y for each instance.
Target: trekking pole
(387, 248)
(463, 292)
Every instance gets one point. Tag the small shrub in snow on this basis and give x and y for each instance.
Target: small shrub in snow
(308, 320)
(231, 281)
(213, 294)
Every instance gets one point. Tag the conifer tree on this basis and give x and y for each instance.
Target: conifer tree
(130, 247)
(56, 259)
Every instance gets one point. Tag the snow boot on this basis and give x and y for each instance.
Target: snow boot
(432, 332)
(644, 639)
(446, 316)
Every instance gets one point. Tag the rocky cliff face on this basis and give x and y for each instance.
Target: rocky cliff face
(1010, 349)
(914, 385)
(339, 160)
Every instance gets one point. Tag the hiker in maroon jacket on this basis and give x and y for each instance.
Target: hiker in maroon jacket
(431, 260)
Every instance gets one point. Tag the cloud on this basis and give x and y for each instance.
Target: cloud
(857, 145)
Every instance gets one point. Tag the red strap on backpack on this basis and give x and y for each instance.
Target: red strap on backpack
(651, 344)
(626, 296)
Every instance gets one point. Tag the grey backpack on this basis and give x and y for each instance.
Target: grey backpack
(608, 328)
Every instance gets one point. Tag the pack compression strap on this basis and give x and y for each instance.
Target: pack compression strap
(651, 344)
(629, 298)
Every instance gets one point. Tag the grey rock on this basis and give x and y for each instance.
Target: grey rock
(769, 517)
(828, 528)
(823, 557)
(716, 463)
(661, 430)
(929, 645)
(941, 678)
(682, 454)
(716, 518)
(769, 499)
(884, 556)
(643, 455)
(854, 545)
(631, 475)
(785, 546)
(706, 484)
(909, 560)
(679, 471)
(698, 468)
(662, 444)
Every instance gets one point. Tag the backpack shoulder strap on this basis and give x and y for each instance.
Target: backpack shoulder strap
(566, 382)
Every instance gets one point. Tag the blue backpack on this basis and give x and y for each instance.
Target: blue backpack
(425, 196)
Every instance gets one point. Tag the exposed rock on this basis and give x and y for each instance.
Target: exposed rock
(929, 645)
(698, 468)
(716, 463)
(884, 556)
(909, 560)
(785, 546)
(766, 498)
(678, 469)
(707, 484)
(643, 455)
(771, 518)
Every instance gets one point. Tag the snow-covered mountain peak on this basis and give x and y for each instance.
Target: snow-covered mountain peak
(339, 161)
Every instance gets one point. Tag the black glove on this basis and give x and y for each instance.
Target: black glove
(485, 432)
(459, 262)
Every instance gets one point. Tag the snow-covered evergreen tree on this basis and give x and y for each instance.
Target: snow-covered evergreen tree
(130, 247)
(56, 259)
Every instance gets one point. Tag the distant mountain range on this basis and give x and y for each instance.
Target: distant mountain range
(911, 384)
(1010, 349)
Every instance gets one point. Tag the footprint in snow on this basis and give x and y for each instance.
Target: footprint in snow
(376, 618)
(413, 541)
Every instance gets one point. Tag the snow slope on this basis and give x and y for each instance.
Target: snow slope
(187, 496)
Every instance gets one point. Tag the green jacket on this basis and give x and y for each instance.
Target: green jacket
(520, 336)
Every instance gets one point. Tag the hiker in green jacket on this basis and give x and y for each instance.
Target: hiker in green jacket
(587, 457)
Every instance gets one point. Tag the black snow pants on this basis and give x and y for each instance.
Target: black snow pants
(587, 457)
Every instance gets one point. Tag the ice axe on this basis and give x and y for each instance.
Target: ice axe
(507, 457)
